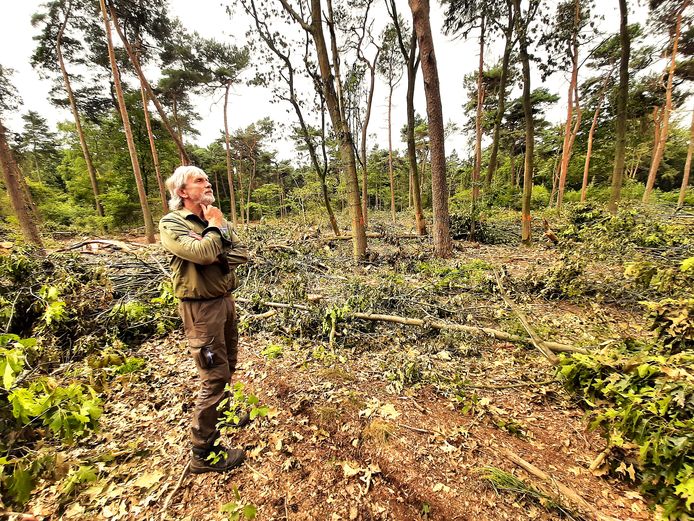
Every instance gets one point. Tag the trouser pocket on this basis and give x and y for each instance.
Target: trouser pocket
(202, 349)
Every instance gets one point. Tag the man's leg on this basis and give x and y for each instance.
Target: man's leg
(204, 324)
(231, 339)
(231, 334)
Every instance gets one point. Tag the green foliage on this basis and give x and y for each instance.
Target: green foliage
(236, 403)
(673, 322)
(67, 411)
(621, 233)
(643, 396)
(662, 279)
(564, 279)
(75, 478)
(12, 358)
(236, 510)
(272, 351)
(473, 273)
(131, 365)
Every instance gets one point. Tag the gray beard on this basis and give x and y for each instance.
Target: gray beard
(207, 200)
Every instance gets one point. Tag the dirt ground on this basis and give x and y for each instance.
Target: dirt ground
(343, 441)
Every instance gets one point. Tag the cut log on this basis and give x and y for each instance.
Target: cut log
(435, 324)
(536, 340)
(558, 487)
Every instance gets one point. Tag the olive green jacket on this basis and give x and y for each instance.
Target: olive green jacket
(204, 257)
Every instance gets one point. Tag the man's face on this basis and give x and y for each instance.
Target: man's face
(198, 190)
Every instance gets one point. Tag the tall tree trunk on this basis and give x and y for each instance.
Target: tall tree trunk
(242, 198)
(19, 195)
(476, 171)
(143, 81)
(390, 151)
(594, 124)
(75, 114)
(412, 64)
(622, 96)
(364, 129)
(155, 154)
(266, 36)
(477, 168)
(687, 166)
(526, 225)
(501, 105)
(227, 147)
(249, 192)
(146, 214)
(330, 82)
(573, 102)
(660, 150)
(443, 245)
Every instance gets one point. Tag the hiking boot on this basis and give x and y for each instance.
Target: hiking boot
(217, 459)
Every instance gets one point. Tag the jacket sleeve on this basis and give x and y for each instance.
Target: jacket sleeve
(237, 253)
(177, 238)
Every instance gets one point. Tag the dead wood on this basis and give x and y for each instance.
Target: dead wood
(549, 233)
(485, 331)
(536, 340)
(186, 471)
(275, 304)
(119, 245)
(375, 236)
(558, 488)
(510, 386)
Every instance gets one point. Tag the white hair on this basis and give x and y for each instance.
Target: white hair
(177, 181)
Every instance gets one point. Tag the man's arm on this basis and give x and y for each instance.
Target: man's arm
(237, 253)
(182, 242)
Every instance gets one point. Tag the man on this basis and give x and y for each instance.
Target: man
(205, 252)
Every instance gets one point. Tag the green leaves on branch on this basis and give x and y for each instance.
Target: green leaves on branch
(67, 411)
(642, 396)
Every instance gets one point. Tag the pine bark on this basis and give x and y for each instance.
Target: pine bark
(573, 103)
(365, 125)
(153, 149)
(526, 225)
(227, 147)
(330, 84)
(20, 199)
(75, 115)
(185, 160)
(146, 214)
(508, 48)
(443, 245)
(687, 166)
(660, 150)
(391, 177)
(622, 96)
(593, 126)
(412, 63)
(477, 170)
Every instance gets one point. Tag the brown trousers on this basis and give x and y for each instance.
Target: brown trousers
(213, 337)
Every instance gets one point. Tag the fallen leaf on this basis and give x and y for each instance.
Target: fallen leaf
(388, 411)
(148, 479)
(441, 487)
(349, 470)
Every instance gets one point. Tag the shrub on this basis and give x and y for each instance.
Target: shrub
(642, 396)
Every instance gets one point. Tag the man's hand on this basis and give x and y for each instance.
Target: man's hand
(213, 215)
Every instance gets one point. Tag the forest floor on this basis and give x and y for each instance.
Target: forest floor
(384, 421)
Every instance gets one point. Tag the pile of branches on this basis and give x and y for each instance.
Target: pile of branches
(75, 302)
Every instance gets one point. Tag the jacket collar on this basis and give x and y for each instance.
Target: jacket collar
(187, 214)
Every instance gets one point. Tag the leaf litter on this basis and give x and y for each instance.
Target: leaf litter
(376, 421)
